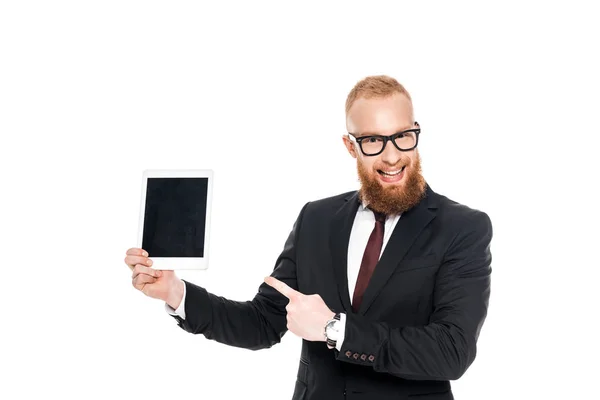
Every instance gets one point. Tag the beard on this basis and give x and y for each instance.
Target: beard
(392, 199)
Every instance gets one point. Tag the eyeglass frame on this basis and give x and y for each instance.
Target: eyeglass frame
(391, 138)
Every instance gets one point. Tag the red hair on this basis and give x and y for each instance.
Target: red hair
(375, 86)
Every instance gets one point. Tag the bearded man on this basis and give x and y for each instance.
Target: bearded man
(388, 285)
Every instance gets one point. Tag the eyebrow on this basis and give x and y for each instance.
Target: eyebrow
(360, 134)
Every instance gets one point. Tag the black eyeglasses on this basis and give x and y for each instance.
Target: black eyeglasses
(375, 144)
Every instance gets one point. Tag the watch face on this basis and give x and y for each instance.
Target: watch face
(332, 331)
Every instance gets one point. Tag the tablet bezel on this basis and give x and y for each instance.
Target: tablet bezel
(178, 263)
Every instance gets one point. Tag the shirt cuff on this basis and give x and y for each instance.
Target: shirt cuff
(181, 309)
(338, 344)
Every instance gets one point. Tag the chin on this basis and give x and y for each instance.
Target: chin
(392, 191)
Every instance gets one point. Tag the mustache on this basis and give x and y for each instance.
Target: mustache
(391, 166)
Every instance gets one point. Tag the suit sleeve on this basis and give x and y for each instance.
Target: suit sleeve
(256, 324)
(445, 347)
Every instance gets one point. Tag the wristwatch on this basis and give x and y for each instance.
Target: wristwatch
(332, 330)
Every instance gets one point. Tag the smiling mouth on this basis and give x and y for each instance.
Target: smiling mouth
(391, 173)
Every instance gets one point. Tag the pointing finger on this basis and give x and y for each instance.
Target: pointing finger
(282, 288)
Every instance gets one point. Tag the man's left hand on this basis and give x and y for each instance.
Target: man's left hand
(306, 314)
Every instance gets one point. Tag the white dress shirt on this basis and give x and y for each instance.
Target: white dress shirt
(364, 222)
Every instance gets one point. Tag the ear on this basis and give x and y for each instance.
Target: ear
(350, 146)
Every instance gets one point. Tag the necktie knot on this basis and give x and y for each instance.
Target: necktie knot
(379, 217)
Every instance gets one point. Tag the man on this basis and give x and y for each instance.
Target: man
(388, 286)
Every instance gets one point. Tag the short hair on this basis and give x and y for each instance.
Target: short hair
(375, 86)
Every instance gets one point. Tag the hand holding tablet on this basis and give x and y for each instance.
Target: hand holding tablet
(158, 284)
(175, 218)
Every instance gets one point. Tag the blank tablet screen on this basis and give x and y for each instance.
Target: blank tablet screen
(175, 217)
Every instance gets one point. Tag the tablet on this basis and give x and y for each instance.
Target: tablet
(175, 218)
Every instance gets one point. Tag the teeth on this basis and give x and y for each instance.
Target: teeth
(392, 173)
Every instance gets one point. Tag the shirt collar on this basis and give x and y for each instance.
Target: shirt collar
(364, 207)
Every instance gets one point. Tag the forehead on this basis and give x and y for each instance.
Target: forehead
(382, 116)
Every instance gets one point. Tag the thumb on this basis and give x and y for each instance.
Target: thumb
(167, 273)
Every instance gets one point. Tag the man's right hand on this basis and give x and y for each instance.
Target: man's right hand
(158, 284)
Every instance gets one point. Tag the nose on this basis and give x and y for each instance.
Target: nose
(391, 155)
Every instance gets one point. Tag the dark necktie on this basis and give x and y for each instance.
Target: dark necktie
(369, 260)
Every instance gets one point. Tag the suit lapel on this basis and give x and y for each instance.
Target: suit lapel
(408, 227)
(341, 227)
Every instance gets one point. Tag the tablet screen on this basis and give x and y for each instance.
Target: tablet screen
(175, 217)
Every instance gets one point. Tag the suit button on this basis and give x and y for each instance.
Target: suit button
(355, 356)
(348, 354)
(363, 357)
(371, 357)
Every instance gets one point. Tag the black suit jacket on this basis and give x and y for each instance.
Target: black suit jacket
(421, 314)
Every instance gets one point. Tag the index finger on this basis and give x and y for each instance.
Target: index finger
(282, 288)
(134, 251)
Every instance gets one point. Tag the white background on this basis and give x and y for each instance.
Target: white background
(93, 93)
